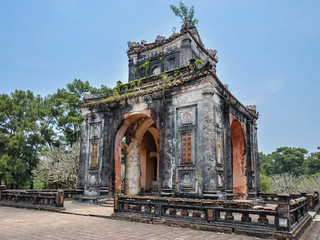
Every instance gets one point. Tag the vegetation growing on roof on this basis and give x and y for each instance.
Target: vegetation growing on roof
(185, 13)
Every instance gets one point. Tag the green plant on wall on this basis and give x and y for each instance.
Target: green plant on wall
(161, 59)
(198, 63)
(125, 88)
(139, 83)
(145, 66)
(115, 92)
(133, 85)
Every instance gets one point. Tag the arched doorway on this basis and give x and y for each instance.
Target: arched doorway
(137, 140)
(239, 179)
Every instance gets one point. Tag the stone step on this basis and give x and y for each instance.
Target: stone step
(92, 199)
(106, 205)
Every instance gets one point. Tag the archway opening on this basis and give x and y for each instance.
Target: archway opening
(148, 162)
(239, 179)
(136, 156)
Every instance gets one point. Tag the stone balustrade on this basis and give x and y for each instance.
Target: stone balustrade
(278, 216)
(35, 198)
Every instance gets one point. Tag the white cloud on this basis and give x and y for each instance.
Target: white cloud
(264, 90)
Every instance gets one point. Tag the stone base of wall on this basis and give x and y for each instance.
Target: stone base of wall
(30, 206)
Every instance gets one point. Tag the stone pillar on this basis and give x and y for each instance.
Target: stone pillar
(255, 156)
(132, 182)
(83, 153)
(208, 148)
(228, 151)
(167, 153)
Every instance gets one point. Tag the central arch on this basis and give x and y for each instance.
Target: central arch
(239, 178)
(141, 151)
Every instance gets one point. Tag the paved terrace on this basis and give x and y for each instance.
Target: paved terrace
(86, 221)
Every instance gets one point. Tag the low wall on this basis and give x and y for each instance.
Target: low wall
(32, 198)
(282, 217)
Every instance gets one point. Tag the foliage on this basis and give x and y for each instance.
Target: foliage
(24, 128)
(145, 66)
(290, 170)
(186, 14)
(30, 124)
(311, 165)
(66, 110)
(133, 84)
(58, 167)
(265, 182)
(266, 164)
(284, 160)
(290, 184)
(285, 183)
(198, 63)
(102, 91)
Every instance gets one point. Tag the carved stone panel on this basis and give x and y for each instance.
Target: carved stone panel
(186, 116)
(95, 130)
(218, 116)
(186, 180)
(93, 179)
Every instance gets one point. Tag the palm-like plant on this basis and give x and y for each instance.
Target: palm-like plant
(185, 13)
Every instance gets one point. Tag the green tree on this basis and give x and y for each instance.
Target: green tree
(289, 160)
(312, 163)
(186, 14)
(67, 112)
(266, 163)
(20, 137)
(29, 124)
(66, 109)
(102, 91)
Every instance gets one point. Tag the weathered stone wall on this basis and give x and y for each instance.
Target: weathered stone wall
(176, 54)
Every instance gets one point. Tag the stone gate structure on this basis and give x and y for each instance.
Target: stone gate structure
(174, 130)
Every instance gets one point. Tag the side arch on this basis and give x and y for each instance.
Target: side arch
(128, 120)
(239, 166)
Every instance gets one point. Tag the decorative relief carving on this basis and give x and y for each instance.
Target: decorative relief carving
(186, 118)
(218, 117)
(93, 180)
(95, 130)
(182, 99)
(186, 180)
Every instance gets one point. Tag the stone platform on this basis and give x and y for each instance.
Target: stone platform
(76, 220)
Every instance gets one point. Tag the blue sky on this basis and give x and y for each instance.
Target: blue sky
(268, 50)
